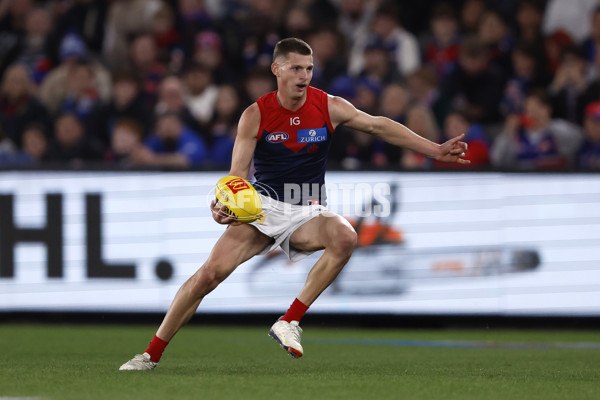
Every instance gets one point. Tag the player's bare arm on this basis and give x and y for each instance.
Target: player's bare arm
(243, 149)
(344, 113)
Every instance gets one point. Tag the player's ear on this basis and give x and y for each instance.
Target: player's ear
(275, 68)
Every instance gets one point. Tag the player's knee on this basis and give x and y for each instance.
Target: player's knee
(345, 240)
(205, 280)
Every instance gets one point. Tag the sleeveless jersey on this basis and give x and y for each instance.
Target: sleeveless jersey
(291, 152)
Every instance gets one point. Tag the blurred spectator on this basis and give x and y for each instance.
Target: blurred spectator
(297, 23)
(475, 87)
(172, 100)
(18, 104)
(192, 17)
(589, 154)
(494, 32)
(529, 29)
(126, 18)
(554, 45)
(86, 18)
(40, 45)
(354, 20)
(378, 65)
(7, 149)
(591, 43)
(223, 126)
(258, 82)
(13, 16)
(401, 45)
(144, 60)
(394, 102)
(442, 44)
(125, 140)
(568, 87)
(470, 15)
(420, 120)
(425, 91)
(208, 52)
(81, 95)
(527, 74)
(202, 93)
(35, 145)
(71, 144)
(328, 57)
(167, 39)
(126, 102)
(74, 59)
(478, 152)
(535, 141)
(173, 145)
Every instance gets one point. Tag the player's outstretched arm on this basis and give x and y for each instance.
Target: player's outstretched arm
(243, 149)
(344, 113)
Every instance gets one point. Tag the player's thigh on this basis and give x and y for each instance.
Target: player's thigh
(237, 244)
(327, 230)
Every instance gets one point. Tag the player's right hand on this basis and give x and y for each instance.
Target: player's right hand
(220, 215)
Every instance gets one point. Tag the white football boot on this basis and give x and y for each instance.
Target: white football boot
(140, 362)
(288, 335)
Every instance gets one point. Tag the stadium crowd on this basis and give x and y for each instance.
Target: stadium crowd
(162, 83)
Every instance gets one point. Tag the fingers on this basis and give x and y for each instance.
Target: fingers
(452, 141)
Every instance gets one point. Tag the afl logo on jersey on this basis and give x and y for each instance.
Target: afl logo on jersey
(277, 137)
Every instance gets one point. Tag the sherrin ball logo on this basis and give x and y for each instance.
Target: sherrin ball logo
(240, 198)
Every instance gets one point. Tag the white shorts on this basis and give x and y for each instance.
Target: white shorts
(281, 220)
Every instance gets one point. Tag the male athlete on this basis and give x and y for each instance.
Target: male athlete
(288, 133)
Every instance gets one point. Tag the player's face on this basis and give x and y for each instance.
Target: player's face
(294, 74)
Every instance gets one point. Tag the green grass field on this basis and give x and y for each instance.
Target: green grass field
(81, 362)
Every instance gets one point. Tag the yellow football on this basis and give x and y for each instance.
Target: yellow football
(240, 198)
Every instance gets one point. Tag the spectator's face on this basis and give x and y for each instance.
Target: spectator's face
(376, 62)
(383, 25)
(169, 128)
(454, 125)
(124, 140)
(16, 82)
(394, 101)
(81, 79)
(228, 101)
(258, 86)
(528, 16)
(473, 65)
(523, 64)
(124, 92)
(68, 131)
(592, 129)
(491, 28)
(197, 81)
(297, 21)
(471, 13)
(324, 45)
(353, 7)
(444, 28)
(35, 143)
(143, 51)
(38, 23)
(537, 112)
(172, 94)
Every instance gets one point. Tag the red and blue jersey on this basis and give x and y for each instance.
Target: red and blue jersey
(291, 152)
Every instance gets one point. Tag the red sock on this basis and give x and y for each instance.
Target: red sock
(295, 312)
(156, 348)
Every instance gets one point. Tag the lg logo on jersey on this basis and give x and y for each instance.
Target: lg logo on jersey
(294, 120)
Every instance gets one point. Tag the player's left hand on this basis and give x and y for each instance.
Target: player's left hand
(454, 150)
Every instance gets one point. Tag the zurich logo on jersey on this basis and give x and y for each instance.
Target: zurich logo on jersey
(277, 137)
(312, 135)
